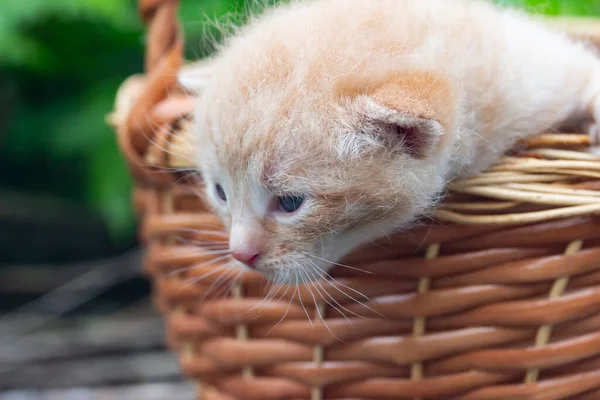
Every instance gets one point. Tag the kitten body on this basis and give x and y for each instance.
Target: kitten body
(363, 111)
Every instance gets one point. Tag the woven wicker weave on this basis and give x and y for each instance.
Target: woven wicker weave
(498, 299)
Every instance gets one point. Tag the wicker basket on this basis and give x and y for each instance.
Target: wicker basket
(498, 299)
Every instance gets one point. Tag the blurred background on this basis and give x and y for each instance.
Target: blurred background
(65, 208)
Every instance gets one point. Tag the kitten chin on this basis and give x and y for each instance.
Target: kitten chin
(364, 110)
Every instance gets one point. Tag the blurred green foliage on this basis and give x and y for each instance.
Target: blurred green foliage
(557, 7)
(61, 62)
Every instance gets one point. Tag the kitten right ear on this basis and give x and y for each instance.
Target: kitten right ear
(195, 76)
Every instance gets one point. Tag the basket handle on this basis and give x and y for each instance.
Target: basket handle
(164, 57)
(160, 17)
(133, 118)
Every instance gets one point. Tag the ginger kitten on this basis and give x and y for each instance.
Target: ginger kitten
(324, 124)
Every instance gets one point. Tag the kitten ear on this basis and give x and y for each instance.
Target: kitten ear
(409, 113)
(195, 76)
(401, 131)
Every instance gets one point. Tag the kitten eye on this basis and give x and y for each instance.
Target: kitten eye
(290, 203)
(220, 192)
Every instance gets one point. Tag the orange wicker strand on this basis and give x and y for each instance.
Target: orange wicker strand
(499, 299)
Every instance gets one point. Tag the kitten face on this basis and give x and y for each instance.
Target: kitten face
(304, 161)
(297, 205)
(336, 170)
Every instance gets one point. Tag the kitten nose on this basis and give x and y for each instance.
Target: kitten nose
(246, 241)
(247, 257)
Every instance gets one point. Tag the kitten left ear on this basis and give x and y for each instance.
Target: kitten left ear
(195, 76)
(408, 112)
(401, 131)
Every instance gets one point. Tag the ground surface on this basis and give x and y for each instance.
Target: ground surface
(107, 351)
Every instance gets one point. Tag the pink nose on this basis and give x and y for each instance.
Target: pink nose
(247, 257)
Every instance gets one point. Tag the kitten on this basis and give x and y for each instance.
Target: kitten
(324, 124)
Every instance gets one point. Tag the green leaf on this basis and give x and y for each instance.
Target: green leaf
(557, 7)
(17, 48)
(109, 189)
(83, 129)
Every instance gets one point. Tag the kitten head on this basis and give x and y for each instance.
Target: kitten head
(305, 161)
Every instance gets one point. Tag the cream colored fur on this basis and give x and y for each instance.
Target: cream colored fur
(306, 100)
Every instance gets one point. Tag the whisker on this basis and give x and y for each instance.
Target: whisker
(203, 243)
(156, 127)
(226, 269)
(193, 281)
(340, 283)
(286, 312)
(275, 286)
(213, 250)
(200, 252)
(186, 176)
(338, 303)
(310, 283)
(316, 281)
(335, 263)
(196, 249)
(353, 290)
(209, 262)
(206, 231)
(274, 289)
(225, 289)
(301, 302)
(232, 283)
(203, 230)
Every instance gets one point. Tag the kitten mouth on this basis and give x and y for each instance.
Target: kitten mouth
(295, 269)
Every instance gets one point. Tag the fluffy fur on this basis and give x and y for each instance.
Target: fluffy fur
(367, 108)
